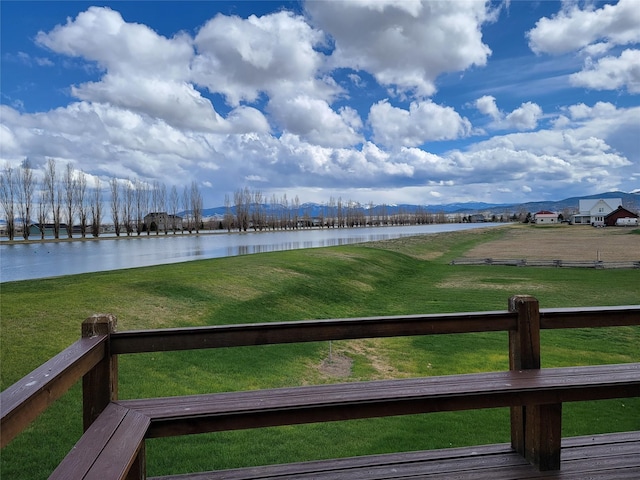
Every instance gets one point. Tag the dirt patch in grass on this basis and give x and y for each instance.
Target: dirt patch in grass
(562, 242)
(338, 366)
(507, 284)
(340, 363)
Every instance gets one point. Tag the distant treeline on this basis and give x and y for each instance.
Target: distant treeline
(63, 199)
(251, 211)
(63, 203)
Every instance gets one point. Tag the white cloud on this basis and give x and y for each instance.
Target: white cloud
(611, 73)
(424, 121)
(574, 28)
(380, 37)
(314, 121)
(145, 72)
(487, 106)
(594, 32)
(178, 103)
(525, 117)
(274, 54)
(10, 147)
(522, 118)
(581, 111)
(101, 35)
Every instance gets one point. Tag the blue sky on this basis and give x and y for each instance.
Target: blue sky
(383, 101)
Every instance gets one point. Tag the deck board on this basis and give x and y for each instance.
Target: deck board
(602, 457)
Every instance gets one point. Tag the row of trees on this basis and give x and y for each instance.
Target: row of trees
(61, 199)
(251, 210)
(62, 203)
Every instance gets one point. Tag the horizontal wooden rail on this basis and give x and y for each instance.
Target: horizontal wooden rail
(137, 341)
(23, 401)
(170, 339)
(590, 317)
(172, 416)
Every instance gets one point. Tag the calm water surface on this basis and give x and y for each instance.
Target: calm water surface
(51, 259)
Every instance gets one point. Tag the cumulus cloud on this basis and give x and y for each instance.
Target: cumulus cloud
(611, 73)
(522, 118)
(424, 121)
(593, 33)
(145, 72)
(525, 117)
(574, 28)
(381, 37)
(316, 122)
(487, 106)
(243, 58)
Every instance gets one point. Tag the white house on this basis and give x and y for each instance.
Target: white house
(545, 217)
(593, 210)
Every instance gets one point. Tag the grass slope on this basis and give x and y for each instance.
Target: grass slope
(404, 276)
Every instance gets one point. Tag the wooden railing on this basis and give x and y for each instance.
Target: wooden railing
(535, 402)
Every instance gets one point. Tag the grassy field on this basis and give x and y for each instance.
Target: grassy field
(404, 276)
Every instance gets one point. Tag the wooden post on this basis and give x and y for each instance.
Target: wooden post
(543, 437)
(138, 470)
(535, 429)
(100, 384)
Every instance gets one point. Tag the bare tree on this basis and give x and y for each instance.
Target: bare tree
(285, 217)
(196, 206)
(242, 200)
(96, 209)
(174, 204)
(8, 198)
(69, 186)
(42, 210)
(155, 208)
(26, 187)
(186, 205)
(257, 211)
(228, 215)
(82, 202)
(332, 212)
(53, 194)
(340, 213)
(161, 192)
(141, 204)
(128, 207)
(115, 205)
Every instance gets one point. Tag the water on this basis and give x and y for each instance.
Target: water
(50, 259)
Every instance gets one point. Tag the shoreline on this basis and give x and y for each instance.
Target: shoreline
(112, 236)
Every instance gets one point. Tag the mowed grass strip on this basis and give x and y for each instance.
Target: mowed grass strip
(404, 276)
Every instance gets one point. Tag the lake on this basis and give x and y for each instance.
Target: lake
(50, 259)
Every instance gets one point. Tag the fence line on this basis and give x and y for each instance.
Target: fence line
(524, 262)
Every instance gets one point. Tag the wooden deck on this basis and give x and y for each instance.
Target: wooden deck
(611, 456)
(113, 445)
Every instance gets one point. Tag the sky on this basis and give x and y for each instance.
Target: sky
(373, 101)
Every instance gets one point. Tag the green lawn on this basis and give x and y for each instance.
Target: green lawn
(405, 276)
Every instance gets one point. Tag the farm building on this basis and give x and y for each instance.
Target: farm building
(621, 217)
(162, 222)
(545, 217)
(593, 210)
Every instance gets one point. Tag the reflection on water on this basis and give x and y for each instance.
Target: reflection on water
(50, 259)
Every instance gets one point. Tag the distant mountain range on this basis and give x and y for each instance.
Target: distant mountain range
(315, 209)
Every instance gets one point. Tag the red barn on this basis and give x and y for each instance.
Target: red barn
(621, 216)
